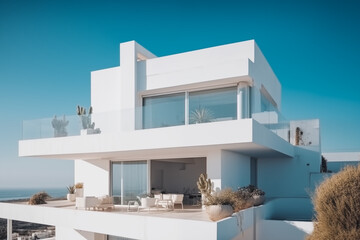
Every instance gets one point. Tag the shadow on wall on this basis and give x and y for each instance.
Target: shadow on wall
(293, 209)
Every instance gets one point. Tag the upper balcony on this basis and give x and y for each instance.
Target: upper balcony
(265, 134)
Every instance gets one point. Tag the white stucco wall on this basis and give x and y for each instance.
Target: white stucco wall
(288, 177)
(283, 230)
(208, 64)
(106, 90)
(95, 174)
(228, 169)
(235, 170)
(263, 75)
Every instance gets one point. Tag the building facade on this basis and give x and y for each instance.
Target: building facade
(165, 120)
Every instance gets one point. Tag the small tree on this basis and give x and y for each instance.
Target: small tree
(337, 206)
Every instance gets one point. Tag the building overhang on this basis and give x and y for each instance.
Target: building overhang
(245, 136)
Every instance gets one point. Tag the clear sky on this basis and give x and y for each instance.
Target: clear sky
(49, 48)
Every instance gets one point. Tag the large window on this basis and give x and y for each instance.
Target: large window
(213, 105)
(129, 180)
(200, 106)
(164, 111)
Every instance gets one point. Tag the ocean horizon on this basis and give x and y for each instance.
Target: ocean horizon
(7, 194)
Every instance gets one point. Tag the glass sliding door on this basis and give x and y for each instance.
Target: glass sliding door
(213, 105)
(164, 111)
(129, 180)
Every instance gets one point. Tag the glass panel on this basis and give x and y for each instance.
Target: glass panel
(129, 180)
(134, 180)
(212, 105)
(164, 111)
(116, 182)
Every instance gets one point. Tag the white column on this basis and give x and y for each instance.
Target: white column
(122, 182)
(213, 168)
(9, 229)
(186, 108)
(239, 101)
(148, 162)
(130, 101)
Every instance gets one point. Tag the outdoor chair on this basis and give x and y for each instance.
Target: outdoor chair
(177, 199)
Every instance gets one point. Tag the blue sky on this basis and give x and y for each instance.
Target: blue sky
(49, 48)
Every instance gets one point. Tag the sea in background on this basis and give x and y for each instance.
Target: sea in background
(24, 193)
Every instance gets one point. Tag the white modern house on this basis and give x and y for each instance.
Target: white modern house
(163, 122)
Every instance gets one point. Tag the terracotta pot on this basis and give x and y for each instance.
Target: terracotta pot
(217, 212)
(258, 199)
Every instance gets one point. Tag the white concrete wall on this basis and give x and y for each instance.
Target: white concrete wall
(228, 169)
(129, 56)
(235, 170)
(95, 174)
(106, 100)
(193, 136)
(203, 65)
(106, 90)
(213, 168)
(288, 177)
(283, 230)
(70, 233)
(263, 75)
(117, 224)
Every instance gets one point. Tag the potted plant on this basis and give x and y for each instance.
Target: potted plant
(259, 196)
(201, 115)
(71, 193)
(204, 186)
(59, 126)
(252, 195)
(87, 125)
(219, 205)
(79, 189)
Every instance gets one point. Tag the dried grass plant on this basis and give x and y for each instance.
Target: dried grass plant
(79, 185)
(337, 206)
(39, 198)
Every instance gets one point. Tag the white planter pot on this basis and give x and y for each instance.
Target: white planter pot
(79, 192)
(258, 199)
(71, 197)
(217, 212)
(86, 131)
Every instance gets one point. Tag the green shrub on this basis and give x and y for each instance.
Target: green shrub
(39, 198)
(337, 206)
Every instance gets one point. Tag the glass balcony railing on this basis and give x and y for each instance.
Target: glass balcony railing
(69, 125)
(305, 133)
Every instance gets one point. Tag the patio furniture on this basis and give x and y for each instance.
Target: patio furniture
(177, 199)
(165, 201)
(147, 203)
(105, 202)
(95, 203)
(86, 203)
(135, 204)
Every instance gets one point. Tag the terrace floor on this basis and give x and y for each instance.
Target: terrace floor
(190, 212)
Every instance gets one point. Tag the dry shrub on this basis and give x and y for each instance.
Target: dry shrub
(228, 197)
(39, 198)
(337, 206)
(223, 197)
